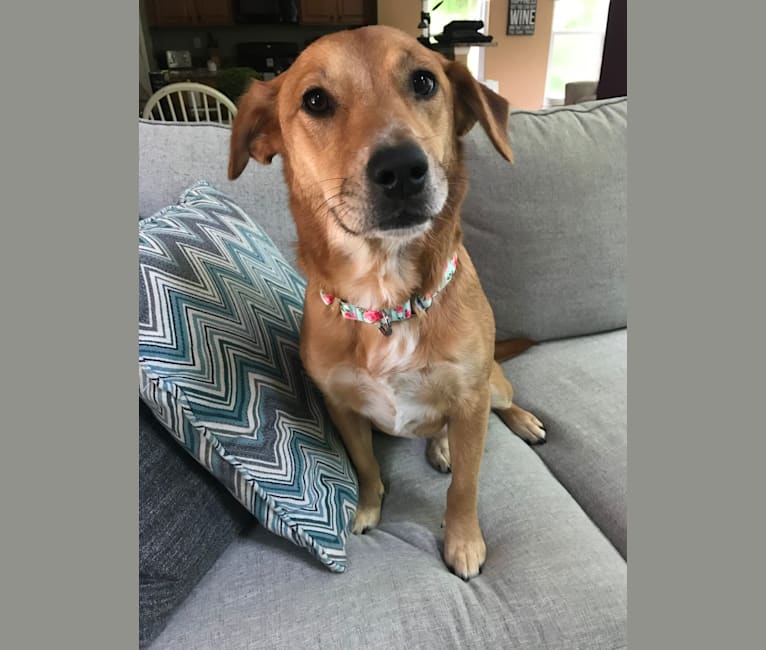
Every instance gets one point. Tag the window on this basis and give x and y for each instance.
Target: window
(450, 10)
(577, 43)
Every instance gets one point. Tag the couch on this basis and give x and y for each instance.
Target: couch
(548, 236)
(580, 91)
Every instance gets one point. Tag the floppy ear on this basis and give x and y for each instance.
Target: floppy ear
(474, 101)
(255, 131)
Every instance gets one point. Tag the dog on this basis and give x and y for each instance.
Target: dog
(397, 332)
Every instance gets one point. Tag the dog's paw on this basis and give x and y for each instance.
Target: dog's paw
(366, 519)
(464, 554)
(437, 453)
(525, 425)
(368, 510)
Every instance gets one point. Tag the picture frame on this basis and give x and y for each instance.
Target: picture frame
(521, 17)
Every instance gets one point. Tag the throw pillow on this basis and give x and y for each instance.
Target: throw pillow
(219, 320)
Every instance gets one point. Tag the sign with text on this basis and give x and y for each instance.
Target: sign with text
(521, 17)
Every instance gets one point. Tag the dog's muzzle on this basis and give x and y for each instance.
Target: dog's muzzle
(398, 179)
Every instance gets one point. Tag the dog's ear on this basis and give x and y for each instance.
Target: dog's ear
(255, 132)
(474, 101)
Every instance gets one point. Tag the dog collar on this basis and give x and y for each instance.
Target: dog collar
(384, 317)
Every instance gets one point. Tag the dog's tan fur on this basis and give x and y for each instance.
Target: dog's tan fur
(435, 376)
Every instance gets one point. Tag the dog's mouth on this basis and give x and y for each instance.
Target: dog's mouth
(400, 224)
(405, 189)
(403, 220)
(370, 210)
(409, 217)
(357, 217)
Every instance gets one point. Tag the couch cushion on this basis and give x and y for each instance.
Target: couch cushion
(548, 234)
(578, 388)
(172, 156)
(551, 579)
(219, 318)
(185, 521)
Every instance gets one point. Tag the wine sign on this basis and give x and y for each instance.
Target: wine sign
(521, 17)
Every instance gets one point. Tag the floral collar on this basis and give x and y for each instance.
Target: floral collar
(384, 317)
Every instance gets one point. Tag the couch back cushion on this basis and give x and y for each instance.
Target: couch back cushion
(173, 156)
(548, 234)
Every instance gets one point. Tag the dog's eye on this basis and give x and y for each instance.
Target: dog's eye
(316, 102)
(424, 83)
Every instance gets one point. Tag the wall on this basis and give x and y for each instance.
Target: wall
(518, 63)
(402, 14)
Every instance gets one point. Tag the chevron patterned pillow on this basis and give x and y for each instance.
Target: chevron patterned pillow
(219, 319)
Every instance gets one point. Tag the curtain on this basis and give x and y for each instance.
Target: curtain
(613, 81)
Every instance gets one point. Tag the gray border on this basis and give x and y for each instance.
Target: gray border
(696, 347)
(69, 546)
(69, 395)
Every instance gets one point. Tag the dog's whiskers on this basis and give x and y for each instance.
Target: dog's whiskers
(326, 202)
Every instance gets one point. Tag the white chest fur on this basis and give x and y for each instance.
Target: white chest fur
(398, 397)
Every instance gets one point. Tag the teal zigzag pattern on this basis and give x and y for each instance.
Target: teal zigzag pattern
(219, 318)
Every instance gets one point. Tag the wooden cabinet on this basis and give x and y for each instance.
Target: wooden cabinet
(172, 13)
(338, 12)
(209, 13)
(214, 12)
(319, 12)
(168, 12)
(352, 12)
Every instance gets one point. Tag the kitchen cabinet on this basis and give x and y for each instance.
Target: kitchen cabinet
(319, 12)
(338, 12)
(214, 12)
(168, 12)
(204, 13)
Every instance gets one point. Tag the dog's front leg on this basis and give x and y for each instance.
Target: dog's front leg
(357, 438)
(464, 548)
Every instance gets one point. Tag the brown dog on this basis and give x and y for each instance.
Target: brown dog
(368, 123)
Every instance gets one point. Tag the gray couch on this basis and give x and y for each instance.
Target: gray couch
(548, 236)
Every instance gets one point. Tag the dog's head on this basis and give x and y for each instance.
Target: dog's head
(368, 122)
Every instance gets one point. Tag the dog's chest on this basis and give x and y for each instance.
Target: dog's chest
(402, 404)
(397, 396)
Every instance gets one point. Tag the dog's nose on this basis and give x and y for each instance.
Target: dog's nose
(399, 170)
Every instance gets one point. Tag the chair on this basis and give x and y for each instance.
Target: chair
(190, 102)
(580, 91)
